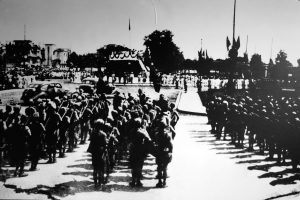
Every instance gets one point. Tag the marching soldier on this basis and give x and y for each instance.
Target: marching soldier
(51, 126)
(138, 152)
(20, 134)
(37, 130)
(97, 148)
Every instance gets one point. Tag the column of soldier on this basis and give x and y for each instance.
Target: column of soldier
(272, 124)
(135, 126)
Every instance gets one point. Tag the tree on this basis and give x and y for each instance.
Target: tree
(88, 61)
(165, 55)
(73, 60)
(257, 67)
(280, 69)
(298, 61)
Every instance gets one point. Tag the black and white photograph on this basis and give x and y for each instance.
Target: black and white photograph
(150, 99)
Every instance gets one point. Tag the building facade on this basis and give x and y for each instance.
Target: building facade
(60, 57)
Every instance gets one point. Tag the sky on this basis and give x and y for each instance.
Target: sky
(86, 25)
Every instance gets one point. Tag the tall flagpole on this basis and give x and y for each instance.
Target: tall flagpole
(233, 37)
(129, 28)
(24, 31)
(271, 55)
(201, 43)
(247, 45)
(155, 14)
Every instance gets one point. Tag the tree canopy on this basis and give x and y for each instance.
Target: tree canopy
(165, 55)
(82, 61)
(280, 69)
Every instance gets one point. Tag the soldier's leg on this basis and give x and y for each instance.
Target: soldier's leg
(49, 152)
(139, 173)
(133, 177)
(54, 154)
(251, 140)
(271, 149)
(101, 176)
(284, 154)
(33, 159)
(218, 130)
(17, 168)
(1, 158)
(22, 165)
(76, 137)
(71, 141)
(165, 175)
(225, 131)
(159, 176)
(60, 148)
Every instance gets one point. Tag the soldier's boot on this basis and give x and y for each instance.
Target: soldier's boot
(132, 183)
(159, 184)
(224, 137)
(165, 175)
(16, 171)
(21, 173)
(100, 179)
(164, 182)
(95, 179)
(139, 183)
(54, 158)
(50, 159)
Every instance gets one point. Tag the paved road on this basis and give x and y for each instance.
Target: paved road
(202, 168)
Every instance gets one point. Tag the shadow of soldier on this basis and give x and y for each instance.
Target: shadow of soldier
(243, 156)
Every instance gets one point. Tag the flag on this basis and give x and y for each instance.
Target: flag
(238, 43)
(200, 54)
(228, 43)
(129, 27)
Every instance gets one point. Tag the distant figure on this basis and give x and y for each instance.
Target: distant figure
(185, 85)
(176, 83)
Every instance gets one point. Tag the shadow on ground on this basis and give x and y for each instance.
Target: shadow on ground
(281, 173)
(118, 181)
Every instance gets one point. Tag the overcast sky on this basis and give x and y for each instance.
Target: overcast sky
(85, 25)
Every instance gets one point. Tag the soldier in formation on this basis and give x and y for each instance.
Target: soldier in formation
(132, 127)
(270, 123)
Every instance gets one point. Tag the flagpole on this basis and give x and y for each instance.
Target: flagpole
(233, 37)
(129, 28)
(201, 43)
(271, 55)
(155, 14)
(24, 31)
(247, 45)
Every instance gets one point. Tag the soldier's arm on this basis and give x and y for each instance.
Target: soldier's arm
(173, 132)
(27, 131)
(42, 127)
